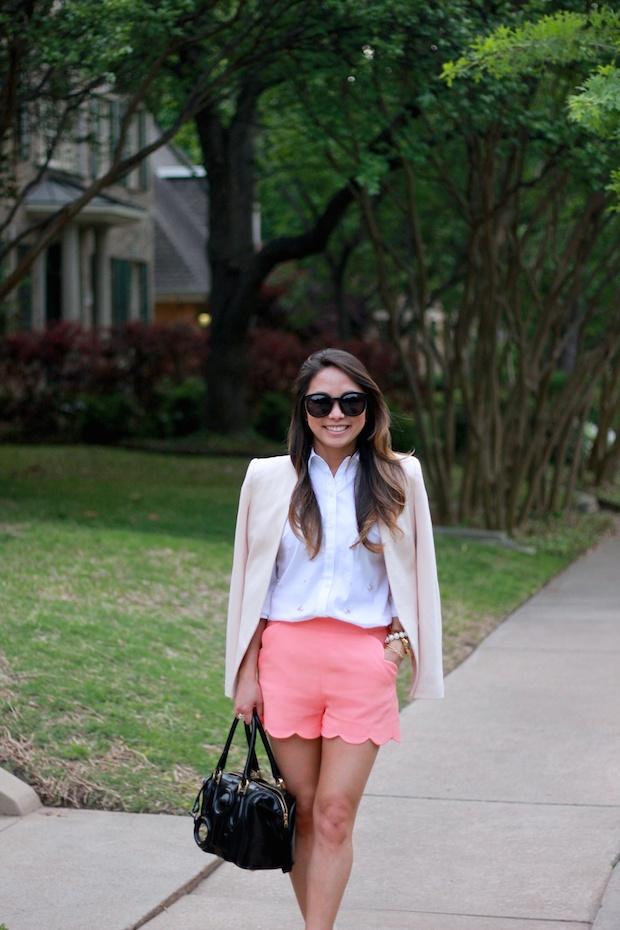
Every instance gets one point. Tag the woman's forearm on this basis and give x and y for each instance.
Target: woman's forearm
(249, 663)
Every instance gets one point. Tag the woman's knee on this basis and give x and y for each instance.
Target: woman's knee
(334, 817)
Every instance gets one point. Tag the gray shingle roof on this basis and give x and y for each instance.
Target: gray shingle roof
(180, 208)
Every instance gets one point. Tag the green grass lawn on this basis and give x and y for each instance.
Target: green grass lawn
(114, 575)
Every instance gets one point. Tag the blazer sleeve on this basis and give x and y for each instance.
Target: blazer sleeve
(237, 581)
(429, 683)
(263, 510)
(412, 572)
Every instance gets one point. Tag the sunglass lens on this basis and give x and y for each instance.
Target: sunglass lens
(318, 405)
(353, 404)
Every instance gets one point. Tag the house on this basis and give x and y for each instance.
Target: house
(99, 270)
(137, 251)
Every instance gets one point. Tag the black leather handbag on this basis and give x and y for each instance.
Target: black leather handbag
(241, 816)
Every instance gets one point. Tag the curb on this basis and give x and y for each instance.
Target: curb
(491, 537)
(17, 799)
(608, 916)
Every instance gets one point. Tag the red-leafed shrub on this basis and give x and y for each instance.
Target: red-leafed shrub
(69, 383)
(276, 356)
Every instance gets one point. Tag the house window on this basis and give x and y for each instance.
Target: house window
(103, 139)
(143, 290)
(132, 179)
(24, 294)
(53, 283)
(25, 135)
(94, 290)
(121, 291)
(94, 136)
(116, 119)
(81, 142)
(62, 140)
(130, 298)
(49, 136)
(105, 119)
(143, 168)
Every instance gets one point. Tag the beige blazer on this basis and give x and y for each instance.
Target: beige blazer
(409, 559)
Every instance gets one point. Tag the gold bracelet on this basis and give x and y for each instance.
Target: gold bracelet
(401, 655)
(399, 635)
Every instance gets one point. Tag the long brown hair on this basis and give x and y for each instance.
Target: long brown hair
(379, 485)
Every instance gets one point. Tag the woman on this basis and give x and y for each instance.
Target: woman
(334, 581)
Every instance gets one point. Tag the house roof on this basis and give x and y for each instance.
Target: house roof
(53, 192)
(180, 214)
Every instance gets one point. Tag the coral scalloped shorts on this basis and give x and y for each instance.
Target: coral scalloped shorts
(325, 677)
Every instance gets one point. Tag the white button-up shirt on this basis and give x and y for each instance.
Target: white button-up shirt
(345, 581)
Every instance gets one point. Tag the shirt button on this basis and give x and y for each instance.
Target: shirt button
(347, 611)
(370, 587)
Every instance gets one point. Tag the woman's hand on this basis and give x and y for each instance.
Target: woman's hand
(395, 653)
(248, 694)
(247, 697)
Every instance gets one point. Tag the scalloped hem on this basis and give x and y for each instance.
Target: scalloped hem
(350, 740)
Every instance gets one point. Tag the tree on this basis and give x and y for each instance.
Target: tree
(549, 43)
(586, 45)
(497, 259)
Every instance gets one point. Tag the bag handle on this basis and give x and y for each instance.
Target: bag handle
(221, 765)
(275, 771)
(251, 762)
(255, 767)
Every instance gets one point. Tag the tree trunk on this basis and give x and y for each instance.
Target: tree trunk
(229, 159)
(605, 456)
(237, 269)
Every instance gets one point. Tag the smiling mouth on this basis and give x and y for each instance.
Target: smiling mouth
(336, 429)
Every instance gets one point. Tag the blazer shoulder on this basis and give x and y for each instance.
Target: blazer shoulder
(411, 467)
(274, 468)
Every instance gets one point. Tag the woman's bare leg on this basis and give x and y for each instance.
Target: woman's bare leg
(344, 772)
(328, 777)
(299, 761)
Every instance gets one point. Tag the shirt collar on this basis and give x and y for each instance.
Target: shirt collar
(350, 460)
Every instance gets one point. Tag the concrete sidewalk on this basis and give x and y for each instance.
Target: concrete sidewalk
(500, 810)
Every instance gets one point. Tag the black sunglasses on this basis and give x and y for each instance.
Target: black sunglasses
(320, 405)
